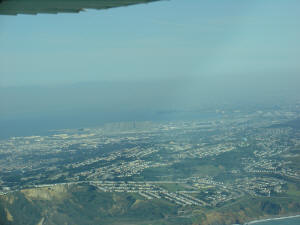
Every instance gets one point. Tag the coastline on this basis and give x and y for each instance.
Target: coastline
(271, 219)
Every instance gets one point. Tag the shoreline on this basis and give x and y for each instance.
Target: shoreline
(270, 219)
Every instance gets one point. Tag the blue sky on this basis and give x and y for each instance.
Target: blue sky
(192, 40)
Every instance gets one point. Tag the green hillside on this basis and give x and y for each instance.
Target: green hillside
(84, 205)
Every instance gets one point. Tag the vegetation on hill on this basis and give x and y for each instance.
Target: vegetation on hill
(84, 204)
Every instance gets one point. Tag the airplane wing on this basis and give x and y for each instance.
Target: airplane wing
(14, 7)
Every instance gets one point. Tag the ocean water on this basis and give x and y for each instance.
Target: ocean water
(285, 221)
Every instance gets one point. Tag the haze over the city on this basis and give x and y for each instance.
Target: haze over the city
(179, 112)
(133, 62)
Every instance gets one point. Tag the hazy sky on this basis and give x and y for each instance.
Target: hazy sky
(164, 53)
(178, 38)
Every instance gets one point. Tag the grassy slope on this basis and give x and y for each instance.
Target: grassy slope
(248, 209)
(85, 205)
(81, 205)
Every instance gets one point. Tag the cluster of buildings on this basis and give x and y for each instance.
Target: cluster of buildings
(114, 156)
